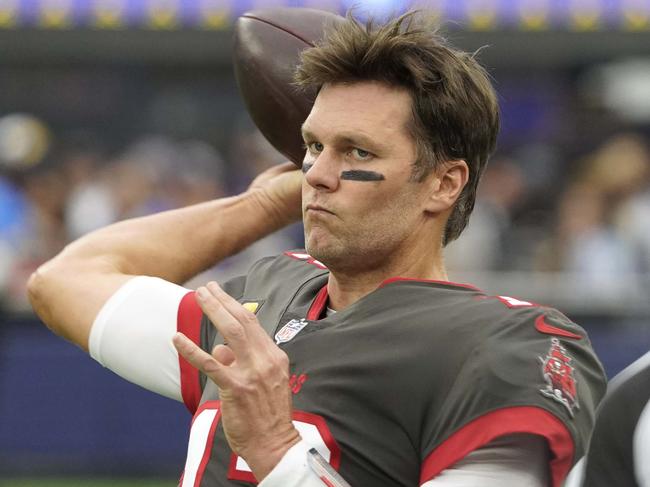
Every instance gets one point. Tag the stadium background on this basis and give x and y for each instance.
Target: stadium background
(114, 108)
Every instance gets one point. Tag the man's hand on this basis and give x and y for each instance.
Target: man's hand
(252, 374)
(279, 189)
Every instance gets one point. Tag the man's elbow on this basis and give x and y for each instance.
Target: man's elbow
(61, 296)
(38, 291)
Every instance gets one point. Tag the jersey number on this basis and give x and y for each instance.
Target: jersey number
(311, 427)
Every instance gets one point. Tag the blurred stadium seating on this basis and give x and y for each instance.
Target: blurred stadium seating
(112, 108)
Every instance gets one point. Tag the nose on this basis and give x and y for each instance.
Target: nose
(322, 172)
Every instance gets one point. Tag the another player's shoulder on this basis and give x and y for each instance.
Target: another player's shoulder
(632, 376)
(628, 392)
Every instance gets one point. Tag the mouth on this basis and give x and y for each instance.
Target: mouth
(311, 208)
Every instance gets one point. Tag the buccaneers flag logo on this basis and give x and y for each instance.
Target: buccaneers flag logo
(558, 374)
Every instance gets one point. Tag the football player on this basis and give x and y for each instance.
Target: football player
(356, 360)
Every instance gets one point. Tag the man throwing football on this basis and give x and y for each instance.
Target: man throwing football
(357, 348)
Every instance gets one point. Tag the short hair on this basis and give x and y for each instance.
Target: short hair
(455, 109)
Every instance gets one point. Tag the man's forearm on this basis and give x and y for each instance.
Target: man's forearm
(178, 244)
(68, 291)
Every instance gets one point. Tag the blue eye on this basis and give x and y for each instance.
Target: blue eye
(315, 147)
(360, 154)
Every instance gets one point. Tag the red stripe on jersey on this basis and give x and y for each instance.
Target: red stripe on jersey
(317, 307)
(446, 283)
(506, 421)
(188, 322)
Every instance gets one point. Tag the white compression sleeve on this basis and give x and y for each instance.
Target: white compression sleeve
(132, 334)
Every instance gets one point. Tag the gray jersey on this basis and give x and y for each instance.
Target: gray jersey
(409, 379)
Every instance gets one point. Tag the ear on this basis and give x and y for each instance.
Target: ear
(446, 183)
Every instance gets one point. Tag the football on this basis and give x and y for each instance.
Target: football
(267, 50)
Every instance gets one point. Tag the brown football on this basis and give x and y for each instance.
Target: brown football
(268, 43)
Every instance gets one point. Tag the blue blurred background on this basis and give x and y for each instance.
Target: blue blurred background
(111, 109)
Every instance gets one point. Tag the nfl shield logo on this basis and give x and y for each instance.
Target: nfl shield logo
(290, 330)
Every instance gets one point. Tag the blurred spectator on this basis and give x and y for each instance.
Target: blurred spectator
(42, 236)
(634, 222)
(487, 244)
(633, 216)
(89, 202)
(153, 174)
(587, 241)
(90, 206)
(251, 154)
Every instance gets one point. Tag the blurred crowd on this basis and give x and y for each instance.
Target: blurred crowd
(79, 188)
(536, 212)
(590, 217)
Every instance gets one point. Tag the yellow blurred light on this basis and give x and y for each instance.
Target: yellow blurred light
(482, 14)
(482, 21)
(585, 15)
(586, 21)
(533, 14)
(163, 14)
(534, 21)
(635, 21)
(8, 14)
(56, 14)
(108, 14)
(215, 20)
(55, 19)
(214, 14)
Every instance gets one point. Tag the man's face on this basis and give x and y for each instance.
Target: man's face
(359, 204)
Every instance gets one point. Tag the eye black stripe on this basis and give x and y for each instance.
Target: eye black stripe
(360, 175)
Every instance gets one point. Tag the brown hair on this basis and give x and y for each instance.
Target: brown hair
(455, 110)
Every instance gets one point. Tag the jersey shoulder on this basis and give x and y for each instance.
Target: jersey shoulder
(529, 369)
(538, 345)
(531, 356)
(529, 317)
(292, 264)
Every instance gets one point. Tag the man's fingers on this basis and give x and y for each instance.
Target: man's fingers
(201, 360)
(223, 354)
(228, 325)
(261, 180)
(246, 318)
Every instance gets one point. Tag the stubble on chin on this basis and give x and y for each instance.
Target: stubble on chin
(324, 249)
(338, 256)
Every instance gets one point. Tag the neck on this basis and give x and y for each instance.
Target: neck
(345, 287)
